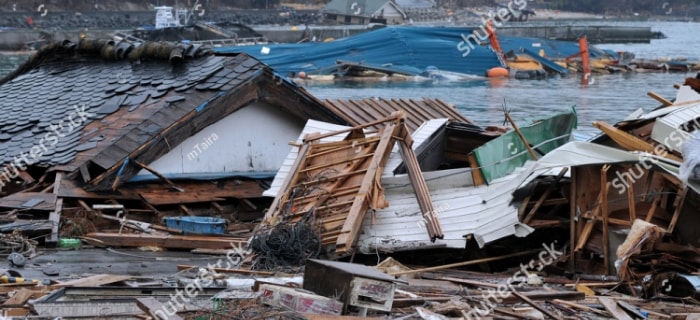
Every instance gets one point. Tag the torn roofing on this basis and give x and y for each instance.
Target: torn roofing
(99, 100)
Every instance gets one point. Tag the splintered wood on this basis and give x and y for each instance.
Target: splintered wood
(336, 183)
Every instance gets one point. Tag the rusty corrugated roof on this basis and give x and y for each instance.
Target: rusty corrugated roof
(357, 112)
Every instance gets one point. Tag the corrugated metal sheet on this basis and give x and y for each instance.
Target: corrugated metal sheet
(460, 207)
(665, 126)
(358, 112)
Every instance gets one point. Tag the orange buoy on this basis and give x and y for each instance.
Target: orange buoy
(497, 72)
(302, 74)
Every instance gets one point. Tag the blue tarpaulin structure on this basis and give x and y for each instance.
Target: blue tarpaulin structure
(406, 49)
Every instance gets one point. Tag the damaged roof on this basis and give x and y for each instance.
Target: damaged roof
(98, 103)
(418, 111)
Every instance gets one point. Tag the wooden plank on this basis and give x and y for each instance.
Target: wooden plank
(19, 299)
(179, 198)
(154, 308)
(160, 176)
(30, 200)
(163, 241)
(632, 143)
(356, 214)
(477, 176)
(94, 281)
(420, 187)
(156, 193)
(55, 215)
(536, 305)
(614, 309)
(580, 307)
(665, 102)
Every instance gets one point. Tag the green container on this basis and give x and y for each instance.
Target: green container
(69, 243)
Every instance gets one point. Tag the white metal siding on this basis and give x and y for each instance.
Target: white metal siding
(252, 139)
(483, 211)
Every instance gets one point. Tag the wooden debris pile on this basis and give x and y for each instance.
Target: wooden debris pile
(332, 187)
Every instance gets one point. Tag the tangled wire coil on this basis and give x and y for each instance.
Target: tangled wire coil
(285, 245)
(16, 242)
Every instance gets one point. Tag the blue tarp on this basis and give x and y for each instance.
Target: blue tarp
(407, 49)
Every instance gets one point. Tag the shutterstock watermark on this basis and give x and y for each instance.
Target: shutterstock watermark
(182, 296)
(494, 296)
(55, 132)
(622, 180)
(491, 20)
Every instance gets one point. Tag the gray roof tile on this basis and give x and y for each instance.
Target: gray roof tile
(47, 89)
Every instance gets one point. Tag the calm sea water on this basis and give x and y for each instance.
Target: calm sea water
(609, 97)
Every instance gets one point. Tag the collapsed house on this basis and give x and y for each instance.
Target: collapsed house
(112, 123)
(448, 183)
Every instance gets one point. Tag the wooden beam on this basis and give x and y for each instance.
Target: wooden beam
(290, 180)
(573, 206)
(588, 228)
(545, 195)
(419, 186)
(353, 223)
(632, 143)
(465, 263)
(163, 241)
(55, 215)
(605, 187)
(477, 176)
(536, 305)
(160, 176)
(680, 200)
(614, 309)
(185, 210)
(522, 137)
(631, 202)
(665, 102)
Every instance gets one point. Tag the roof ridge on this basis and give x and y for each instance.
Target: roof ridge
(112, 50)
